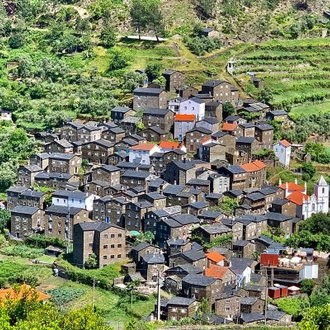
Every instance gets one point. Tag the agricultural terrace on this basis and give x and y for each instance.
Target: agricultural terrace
(297, 72)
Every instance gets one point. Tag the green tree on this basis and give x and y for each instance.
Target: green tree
(228, 205)
(316, 318)
(153, 70)
(207, 7)
(118, 61)
(4, 219)
(309, 169)
(91, 262)
(266, 96)
(156, 19)
(139, 15)
(307, 286)
(108, 35)
(227, 109)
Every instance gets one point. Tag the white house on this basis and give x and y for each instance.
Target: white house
(282, 151)
(74, 199)
(141, 153)
(183, 124)
(174, 104)
(193, 106)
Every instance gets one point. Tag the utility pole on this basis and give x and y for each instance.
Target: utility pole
(93, 293)
(158, 297)
(68, 235)
(266, 295)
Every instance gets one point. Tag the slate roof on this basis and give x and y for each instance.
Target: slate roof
(141, 246)
(62, 156)
(276, 217)
(53, 175)
(212, 83)
(190, 269)
(176, 242)
(251, 317)
(274, 315)
(120, 109)
(71, 194)
(63, 210)
(241, 243)
(217, 228)
(199, 182)
(108, 168)
(157, 130)
(173, 189)
(198, 280)
(148, 91)
(278, 112)
(198, 205)
(156, 112)
(32, 193)
(97, 226)
(153, 258)
(181, 301)
(248, 300)
(201, 130)
(255, 196)
(135, 174)
(193, 255)
(209, 214)
(264, 127)
(185, 166)
(235, 169)
(245, 139)
(17, 189)
(185, 218)
(27, 210)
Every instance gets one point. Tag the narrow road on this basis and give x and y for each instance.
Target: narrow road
(146, 38)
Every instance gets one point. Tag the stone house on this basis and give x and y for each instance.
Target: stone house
(192, 257)
(117, 114)
(105, 240)
(178, 308)
(271, 193)
(243, 249)
(183, 270)
(132, 179)
(237, 228)
(89, 133)
(26, 221)
(129, 124)
(177, 245)
(277, 220)
(106, 173)
(154, 134)
(232, 129)
(228, 306)
(151, 265)
(117, 157)
(97, 151)
(149, 98)
(26, 175)
(163, 118)
(194, 138)
(64, 163)
(199, 287)
(40, 159)
(32, 198)
(251, 318)
(279, 115)
(264, 133)
(224, 274)
(284, 206)
(226, 139)
(60, 146)
(211, 151)
(237, 175)
(13, 194)
(256, 201)
(55, 180)
(209, 123)
(179, 172)
(248, 129)
(253, 226)
(113, 135)
(97, 187)
(110, 210)
(208, 33)
(174, 79)
(252, 305)
(186, 91)
(209, 233)
(221, 91)
(135, 214)
(213, 109)
(60, 220)
(248, 145)
(125, 144)
(176, 226)
(141, 249)
(69, 131)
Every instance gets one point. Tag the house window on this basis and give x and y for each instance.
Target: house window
(105, 257)
(119, 256)
(105, 246)
(112, 246)
(113, 235)
(112, 257)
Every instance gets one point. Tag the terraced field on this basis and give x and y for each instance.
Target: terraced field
(296, 71)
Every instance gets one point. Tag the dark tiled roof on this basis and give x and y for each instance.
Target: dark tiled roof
(120, 109)
(24, 210)
(156, 112)
(276, 217)
(62, 156)
(63, 210)
(235, 169)
(199, 182)
(109, 168)
(181, 301)
(185, 219)
(198, 205)
(241, 243)
(251, 317)
(153, 258)
(71, 194)
(97, 226)
(201, 130)
(248, 300)
(190, 269)
(151, 91)
(135, 174)
(245, 139)
(255, 196)
(198, 280)
(17, 189)
(32, 193)
(216, 228)
(212, 83)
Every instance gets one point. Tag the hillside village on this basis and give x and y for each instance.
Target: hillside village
(178, 166)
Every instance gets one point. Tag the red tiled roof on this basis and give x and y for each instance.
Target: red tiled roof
(285, 143)
(205, 139)
(187, 117)
(216, 271)
(215, 256)
(143, 146)
(254, 166)
(297, 197)
(292, 187)
(229, 127)
(169, 145)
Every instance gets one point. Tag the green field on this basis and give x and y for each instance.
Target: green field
(296, 71)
